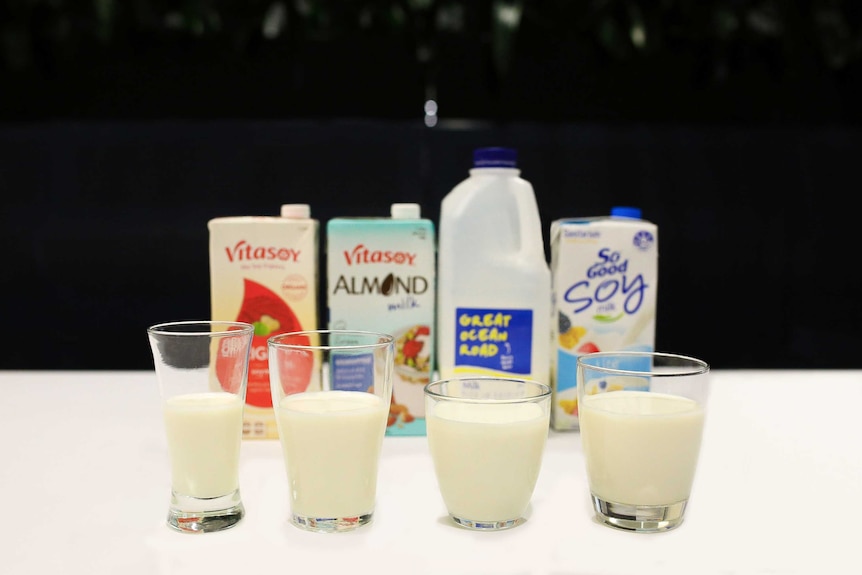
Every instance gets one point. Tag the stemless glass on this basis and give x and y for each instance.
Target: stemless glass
(331, 391)
(487, 436)
(641, 422)
(202, 370)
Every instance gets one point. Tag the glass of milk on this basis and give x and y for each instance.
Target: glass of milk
(641, 423)
(487, 436)
(202, 371)
(331, 391)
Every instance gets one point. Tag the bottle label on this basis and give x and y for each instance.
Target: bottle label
(500, 340)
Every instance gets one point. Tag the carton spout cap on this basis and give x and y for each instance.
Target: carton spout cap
(626, 212)
(405, 211)
(296, 211)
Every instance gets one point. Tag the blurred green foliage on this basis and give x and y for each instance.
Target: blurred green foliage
(765, 59)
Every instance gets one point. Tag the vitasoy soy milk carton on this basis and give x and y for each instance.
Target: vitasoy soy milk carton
(264, 271)
(381, 277)
(604, 280)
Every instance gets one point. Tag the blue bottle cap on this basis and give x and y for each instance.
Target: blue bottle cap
(495, 158)
(626, 212)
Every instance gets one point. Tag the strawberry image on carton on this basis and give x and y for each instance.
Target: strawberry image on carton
(264, 271)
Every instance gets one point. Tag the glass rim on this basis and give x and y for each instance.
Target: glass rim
(544, 389)
(217, 327)
(696, 367)
(383, 339)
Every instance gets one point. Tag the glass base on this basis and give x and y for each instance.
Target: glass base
(330, 524)
(195, 515)
(640, 518)
(487, 525)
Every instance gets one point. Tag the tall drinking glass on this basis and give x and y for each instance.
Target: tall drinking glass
(641, 422)
(331, 391)
(202, 370)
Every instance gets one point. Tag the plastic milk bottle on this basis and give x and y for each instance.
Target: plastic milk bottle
(264, 271)
(494, 284)
(381, 277)
(605, 276)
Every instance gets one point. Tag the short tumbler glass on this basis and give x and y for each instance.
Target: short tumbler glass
(331, 390)
(641, 423)
(202, 370)
(487, 437)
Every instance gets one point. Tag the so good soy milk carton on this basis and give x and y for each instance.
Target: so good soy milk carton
(264, 271)
(381, 277)
(604, 274)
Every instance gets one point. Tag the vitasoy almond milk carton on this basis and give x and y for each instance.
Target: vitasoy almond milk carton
(604, 277)
(380, 276)
(264, 271)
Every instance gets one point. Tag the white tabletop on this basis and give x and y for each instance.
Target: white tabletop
(85, 488)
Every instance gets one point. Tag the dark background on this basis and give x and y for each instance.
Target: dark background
(734, 125)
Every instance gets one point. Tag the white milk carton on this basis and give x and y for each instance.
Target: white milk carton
(381, 278)
(264, 271)
(604, 280)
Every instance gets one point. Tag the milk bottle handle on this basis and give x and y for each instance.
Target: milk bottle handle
(530, 223)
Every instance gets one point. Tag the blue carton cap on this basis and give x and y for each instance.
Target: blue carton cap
(626, 212)
(495, 158)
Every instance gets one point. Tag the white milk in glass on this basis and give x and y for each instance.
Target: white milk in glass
(381, 278)
(204, 436)
(331, 442)
(264, 271)
(641, 448)
(604, 277)
(487, 457)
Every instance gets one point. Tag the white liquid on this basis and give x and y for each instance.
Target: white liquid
(204, 433)
(487, 457)
(331, 442)
(641, 448)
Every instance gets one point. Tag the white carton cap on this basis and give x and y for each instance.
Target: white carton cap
(406, 211)
(296, 211)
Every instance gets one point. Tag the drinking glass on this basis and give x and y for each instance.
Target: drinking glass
(487, 436)
(202, 371)
(331, 391)
(641, 423)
